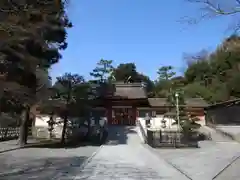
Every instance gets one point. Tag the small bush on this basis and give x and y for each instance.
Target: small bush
(189, 128)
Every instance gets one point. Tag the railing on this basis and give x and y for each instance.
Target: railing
(168, 138)
(142, 131)
(9, 133)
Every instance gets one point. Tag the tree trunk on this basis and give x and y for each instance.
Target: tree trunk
(89, 127)
(64, 128)
(23, 131)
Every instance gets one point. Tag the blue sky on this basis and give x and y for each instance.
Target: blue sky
(146, 32)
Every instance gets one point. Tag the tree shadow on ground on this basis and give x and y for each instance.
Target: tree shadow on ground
(59, 145)
(106, 170)
(43, 168)
(119, 134)
(50, 144)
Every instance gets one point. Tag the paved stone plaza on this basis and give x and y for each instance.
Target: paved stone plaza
(44, 163)
(123, 157)
(126, 158)
(211, 160)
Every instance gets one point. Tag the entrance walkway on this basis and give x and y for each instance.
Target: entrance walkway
(124, 157)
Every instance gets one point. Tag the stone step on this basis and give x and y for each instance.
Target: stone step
(214, 134)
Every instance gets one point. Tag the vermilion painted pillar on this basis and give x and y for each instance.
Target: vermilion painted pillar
(134, 115)
(109, 114)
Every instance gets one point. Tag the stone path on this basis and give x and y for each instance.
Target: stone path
(124, 157)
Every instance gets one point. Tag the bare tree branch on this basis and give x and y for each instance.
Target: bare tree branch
(215, 8)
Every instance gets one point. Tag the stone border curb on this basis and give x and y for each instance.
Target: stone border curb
(223, 133)
(90, 158)
(10, 149)
(226, 134)
(18, 147)
(174, 166)
(235, 158)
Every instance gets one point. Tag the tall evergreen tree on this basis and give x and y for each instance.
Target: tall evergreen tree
(32, 33)
(102, 71)
(67, 85)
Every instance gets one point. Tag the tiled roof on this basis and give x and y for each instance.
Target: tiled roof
(53, 103)
(193, 102)
(121, 90)
(157, 102)
(130, 91)
(127, 91)
(228, 103)
(196, 102)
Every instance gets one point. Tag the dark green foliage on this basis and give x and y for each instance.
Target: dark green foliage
(186, 120)
(215, 77)
(32, 34)
(123, 71)
(163, 84)
(189, 128)
(106, 73)
(102, 71)
(128, 72)
(66, 88)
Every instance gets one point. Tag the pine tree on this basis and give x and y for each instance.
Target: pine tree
(102, 71)
(32, 33)
(186, 120)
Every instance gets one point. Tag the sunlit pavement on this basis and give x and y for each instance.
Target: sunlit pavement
(213, 160)
(125, 158)
(44, 163)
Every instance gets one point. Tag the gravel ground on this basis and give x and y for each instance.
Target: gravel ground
(43, 163)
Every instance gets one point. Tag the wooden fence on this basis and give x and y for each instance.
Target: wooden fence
(143, 132)
(9, 133)
(175, 139)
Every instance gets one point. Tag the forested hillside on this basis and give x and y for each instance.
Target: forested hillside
(213, 76)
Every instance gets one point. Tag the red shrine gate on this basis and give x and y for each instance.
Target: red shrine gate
(121, 116)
